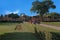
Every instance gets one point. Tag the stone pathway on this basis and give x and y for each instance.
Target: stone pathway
(54, 27)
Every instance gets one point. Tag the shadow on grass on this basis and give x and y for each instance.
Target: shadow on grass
(55, 36)
(44, 35)
(38, 35)
(18, 36)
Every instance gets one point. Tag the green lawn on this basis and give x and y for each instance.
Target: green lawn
(7, 30)
(53, 23)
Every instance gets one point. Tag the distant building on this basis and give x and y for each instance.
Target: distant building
(26, 18)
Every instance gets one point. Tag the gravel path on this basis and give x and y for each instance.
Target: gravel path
(54, 27)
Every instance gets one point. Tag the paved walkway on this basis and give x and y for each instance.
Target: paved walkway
(54, 27)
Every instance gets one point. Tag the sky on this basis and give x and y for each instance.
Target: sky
(22, 6)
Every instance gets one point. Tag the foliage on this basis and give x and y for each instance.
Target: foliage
(54, 15)
(12, 15)
(55, 36)
(42, 7)
(45, 35)
(1, 16)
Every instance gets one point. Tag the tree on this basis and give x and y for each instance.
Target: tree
(42, 7)
(54, 15)
(1, 16)
(12, 15)
(24, 17)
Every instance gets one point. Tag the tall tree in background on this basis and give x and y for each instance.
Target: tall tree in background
(1, 16)
(12, 15)
(42, 7)
(54, 15)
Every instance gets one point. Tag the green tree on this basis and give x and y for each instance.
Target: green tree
(54, 15)
(12, 15)
(1, 16)
(42, 7)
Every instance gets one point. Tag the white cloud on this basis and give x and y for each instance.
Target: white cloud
(17, 11)
(9, 12)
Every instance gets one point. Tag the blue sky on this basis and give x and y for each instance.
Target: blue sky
(21, 6)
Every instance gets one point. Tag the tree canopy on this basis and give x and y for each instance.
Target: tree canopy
(42, 7)
(12, 15)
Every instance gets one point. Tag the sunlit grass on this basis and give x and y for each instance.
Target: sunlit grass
(26, 27)
(26, 33)
(57, 24)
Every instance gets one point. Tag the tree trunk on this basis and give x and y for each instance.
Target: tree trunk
(41, 18)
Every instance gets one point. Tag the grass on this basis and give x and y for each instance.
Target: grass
(41, 28)
(7, 30)
(18, 36)
(53, 23)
